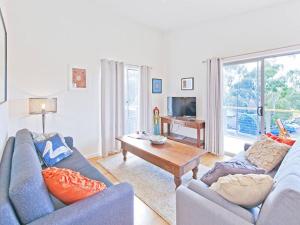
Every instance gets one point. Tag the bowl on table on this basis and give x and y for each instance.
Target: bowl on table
(157, 139)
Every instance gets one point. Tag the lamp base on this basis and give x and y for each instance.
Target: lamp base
(43, 120)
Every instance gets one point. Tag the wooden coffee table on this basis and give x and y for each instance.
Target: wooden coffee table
(174, 157)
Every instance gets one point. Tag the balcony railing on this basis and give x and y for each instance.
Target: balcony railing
(244, 120)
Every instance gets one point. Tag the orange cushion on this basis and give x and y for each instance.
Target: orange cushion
(286, 141)
(272, 136)
(69, 186)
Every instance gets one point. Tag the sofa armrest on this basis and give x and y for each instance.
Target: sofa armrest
(194, 209)
(69, 142)
(247, 146)
(113, 206)
(202, 189)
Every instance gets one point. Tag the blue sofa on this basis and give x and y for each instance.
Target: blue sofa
(24, 198)
(198, 205)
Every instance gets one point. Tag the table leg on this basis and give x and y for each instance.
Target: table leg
(177, 181)
(198, 137)
(204, 138)
(124, 154)
(195, 171)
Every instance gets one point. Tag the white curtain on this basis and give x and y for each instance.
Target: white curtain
(112, 105)
(214, 116)
(145, 121)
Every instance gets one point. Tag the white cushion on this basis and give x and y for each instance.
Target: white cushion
(246, 190)
(267, 153)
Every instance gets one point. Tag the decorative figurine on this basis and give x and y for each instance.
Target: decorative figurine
(156, 121)
(283, 133)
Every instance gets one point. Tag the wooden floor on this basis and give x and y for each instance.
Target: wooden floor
(143, 214)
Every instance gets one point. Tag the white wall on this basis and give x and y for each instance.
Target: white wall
(255, 31)
(47, 36)
(3, 126)
(4, 106)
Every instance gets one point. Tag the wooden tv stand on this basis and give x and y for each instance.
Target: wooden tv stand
(185, 122)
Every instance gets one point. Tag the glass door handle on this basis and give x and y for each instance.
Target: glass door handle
(260, 111)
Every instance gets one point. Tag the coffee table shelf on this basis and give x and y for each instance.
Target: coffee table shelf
(184, 139)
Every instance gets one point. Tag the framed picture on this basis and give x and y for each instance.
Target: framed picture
(78, 78)
(156, 86)
(3, 60)
(187, 83)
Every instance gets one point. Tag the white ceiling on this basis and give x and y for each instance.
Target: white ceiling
(173, 14)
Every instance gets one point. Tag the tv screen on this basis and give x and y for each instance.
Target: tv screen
(182, 106)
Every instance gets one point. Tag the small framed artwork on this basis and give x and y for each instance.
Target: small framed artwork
(78, 78)
(156, 86)
(187, 83)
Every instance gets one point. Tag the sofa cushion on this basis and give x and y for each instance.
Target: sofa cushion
(282, 205)
(242, 158)
(27, 189)
(248, 190)
(37, 137)
(53, 150)
(290, 164)
(78, 163)
(222, 169)
(285, 196)
(202, 189)
(7, 213)
(267, 153)
(70, 186)
(69, 142)
(286, 141)
(56, 202)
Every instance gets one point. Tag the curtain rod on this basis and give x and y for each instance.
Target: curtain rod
(256, 52)
(128, 64)
(125, 63)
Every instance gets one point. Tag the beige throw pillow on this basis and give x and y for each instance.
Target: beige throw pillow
(267, 153)
(247, 190)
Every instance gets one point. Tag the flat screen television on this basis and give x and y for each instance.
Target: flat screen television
(182, 106)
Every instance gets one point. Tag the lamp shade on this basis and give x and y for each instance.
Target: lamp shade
(37, 105)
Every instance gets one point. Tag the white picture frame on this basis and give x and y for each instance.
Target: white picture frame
(77, 77)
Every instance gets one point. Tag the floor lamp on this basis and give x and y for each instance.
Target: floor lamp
(42, 106)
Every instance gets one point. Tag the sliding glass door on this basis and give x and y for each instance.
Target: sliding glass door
(256, 94)
(242, 104)
(282, 93)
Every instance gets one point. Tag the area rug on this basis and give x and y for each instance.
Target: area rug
(152, 185)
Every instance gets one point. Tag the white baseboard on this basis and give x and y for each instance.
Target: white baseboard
(92, 155)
